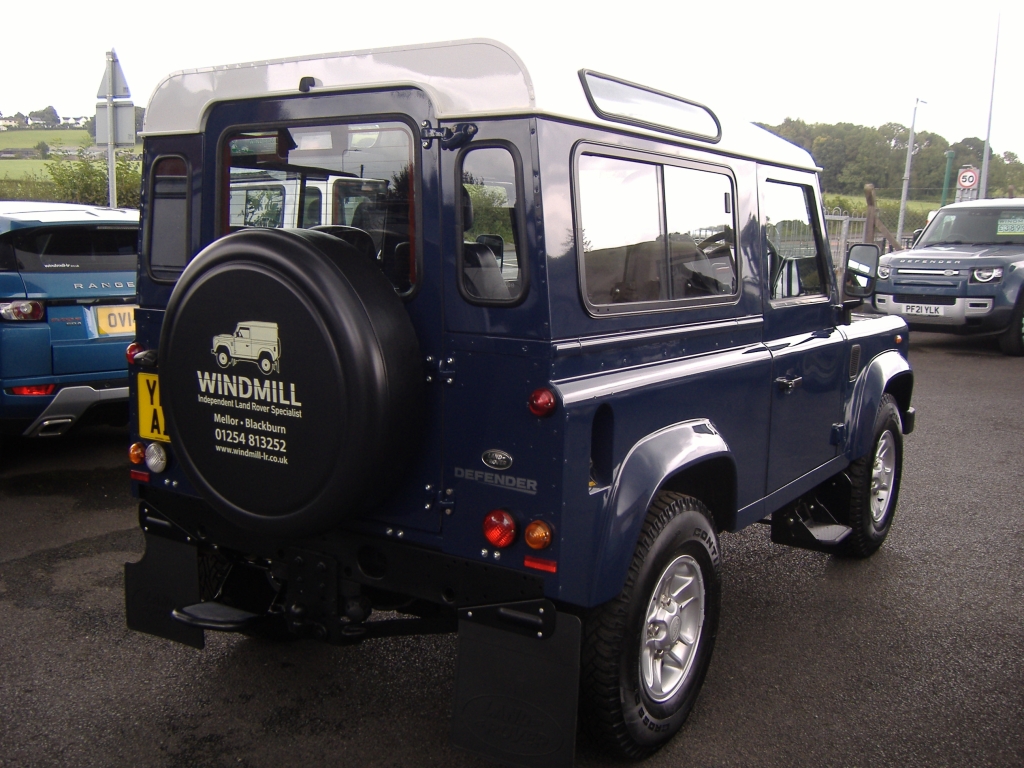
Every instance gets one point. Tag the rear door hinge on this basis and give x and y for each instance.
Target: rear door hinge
(448, 137)
(441, 369)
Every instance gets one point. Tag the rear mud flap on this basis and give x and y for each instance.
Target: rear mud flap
(166, 578)
(517, 684)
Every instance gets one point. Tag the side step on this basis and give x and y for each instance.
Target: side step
(216, 616)
(814, 520)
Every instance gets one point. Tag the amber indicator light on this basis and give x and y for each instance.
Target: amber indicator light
(537, 535)
(137, 454)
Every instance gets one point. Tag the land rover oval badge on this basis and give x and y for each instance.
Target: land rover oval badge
(496, 459)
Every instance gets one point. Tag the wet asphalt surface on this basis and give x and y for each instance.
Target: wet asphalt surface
(914, 657)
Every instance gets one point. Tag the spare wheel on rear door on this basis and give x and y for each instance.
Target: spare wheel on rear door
(290, 450)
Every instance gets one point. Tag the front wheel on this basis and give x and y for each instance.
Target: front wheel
(1012, 340)
(875, 480)
(223, 358)
(645, 653)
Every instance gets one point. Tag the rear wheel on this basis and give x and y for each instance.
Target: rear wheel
(1012, 340)
(646, 652)
(266, 363)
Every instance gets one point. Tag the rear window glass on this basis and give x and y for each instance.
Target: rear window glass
(339, 177)
(76, 249)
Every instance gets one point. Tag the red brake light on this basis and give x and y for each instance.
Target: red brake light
(22, 310)
(542, 402)
(500, 528)
(34, 389)
(133, 349)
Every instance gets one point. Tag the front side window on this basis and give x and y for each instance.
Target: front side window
(796, 260)
(491, 267)
(352, 175)
(654, 233)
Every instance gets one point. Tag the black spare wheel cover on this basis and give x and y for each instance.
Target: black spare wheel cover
(290, 444)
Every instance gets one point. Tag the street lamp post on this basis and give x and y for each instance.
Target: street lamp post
(983, 192)
(906, 175)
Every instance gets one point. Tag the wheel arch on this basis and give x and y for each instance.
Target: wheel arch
(689, 457)
(888, 373)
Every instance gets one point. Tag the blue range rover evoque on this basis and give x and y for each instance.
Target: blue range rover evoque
(67, 313)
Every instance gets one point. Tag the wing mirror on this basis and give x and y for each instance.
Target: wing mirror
(861, 270)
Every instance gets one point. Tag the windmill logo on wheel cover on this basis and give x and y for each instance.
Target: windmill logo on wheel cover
(252, 341)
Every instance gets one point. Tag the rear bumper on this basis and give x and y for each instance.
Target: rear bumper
(68, 406)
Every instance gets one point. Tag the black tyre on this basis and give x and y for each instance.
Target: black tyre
(266, 364)
(223, 357)
(646, 652)
(293, 449)
(1012, 340)
(875, 480)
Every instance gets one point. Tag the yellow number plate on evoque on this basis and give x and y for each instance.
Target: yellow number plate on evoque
(115, 320)
(151, 416)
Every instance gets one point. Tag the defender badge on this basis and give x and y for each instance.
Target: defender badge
(496, 459)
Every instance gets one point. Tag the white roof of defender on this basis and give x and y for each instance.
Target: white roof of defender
(463, 78)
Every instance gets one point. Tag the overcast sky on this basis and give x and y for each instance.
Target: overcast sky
(858, 62)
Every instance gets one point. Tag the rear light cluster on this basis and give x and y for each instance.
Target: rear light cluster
(542, 402)
(22, 310)
(133, 349)
(500, 530)
(154, 456)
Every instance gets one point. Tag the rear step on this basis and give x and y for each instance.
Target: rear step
(217, 616)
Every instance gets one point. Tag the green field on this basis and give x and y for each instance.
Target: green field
(27, 139)
(17, 169)
(855, 204)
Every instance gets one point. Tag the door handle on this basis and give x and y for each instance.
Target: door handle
(788, 385)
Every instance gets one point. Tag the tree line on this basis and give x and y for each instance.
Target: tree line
(854, 155)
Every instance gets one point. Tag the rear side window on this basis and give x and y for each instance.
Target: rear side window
(167, 240)
(796, 259)
(490, 262)
(76, 249)
(652, 235)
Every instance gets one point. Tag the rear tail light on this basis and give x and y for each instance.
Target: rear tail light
(542, 402)
(500, 528)
(22, 310)
(140, 475)
(133, 349)
(34, 389)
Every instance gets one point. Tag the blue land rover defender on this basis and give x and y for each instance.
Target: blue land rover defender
(539, 344)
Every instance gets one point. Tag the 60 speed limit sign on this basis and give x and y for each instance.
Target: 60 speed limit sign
(968, 179)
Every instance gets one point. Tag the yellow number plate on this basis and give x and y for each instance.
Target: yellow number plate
(151, 416)
(115, 320)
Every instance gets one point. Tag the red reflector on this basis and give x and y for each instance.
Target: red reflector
(551, 566)
(34, 389)
(138, 474)
(500, 528)
(542, 402)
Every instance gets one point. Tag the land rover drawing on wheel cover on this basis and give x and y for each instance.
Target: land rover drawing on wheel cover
(551, 339)
(253, 341)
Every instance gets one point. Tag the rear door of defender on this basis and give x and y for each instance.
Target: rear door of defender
(353, 162)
